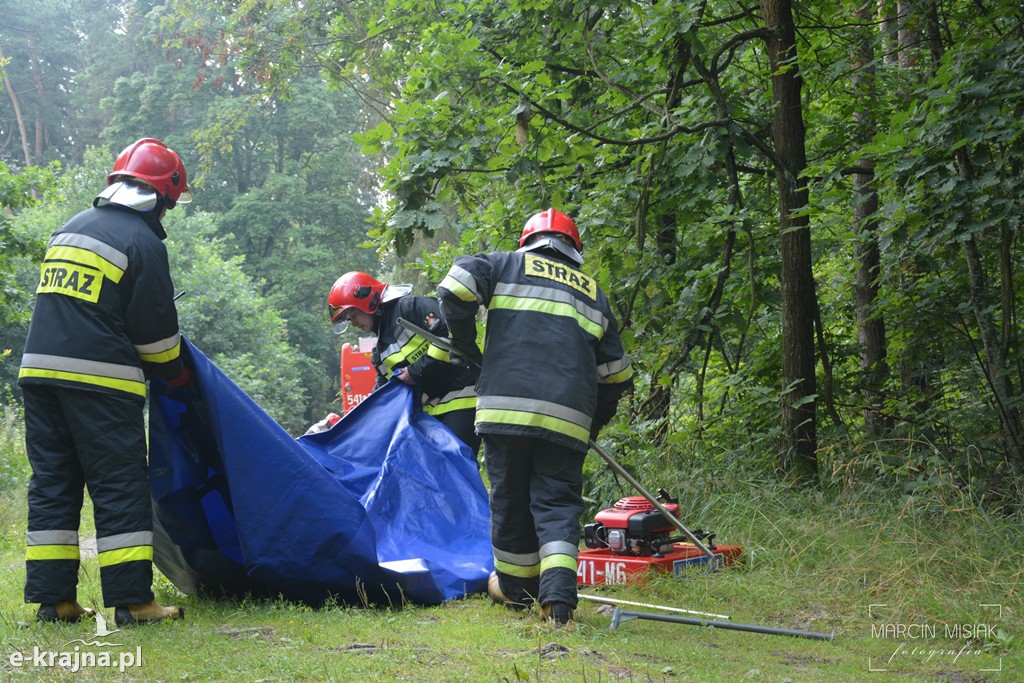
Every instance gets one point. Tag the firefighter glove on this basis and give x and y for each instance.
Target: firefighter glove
(467, 354)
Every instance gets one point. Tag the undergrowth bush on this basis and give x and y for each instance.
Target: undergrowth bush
(949, 475)
(14, 468)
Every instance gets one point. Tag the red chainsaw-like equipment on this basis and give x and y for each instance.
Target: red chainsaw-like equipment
(626, 541)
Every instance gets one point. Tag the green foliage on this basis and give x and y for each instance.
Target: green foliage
(447, 125)
(223, 313)
(62, 57)
(18, 191)
(849, 559)
(650, 125)
(225, 316)
(275, 167)
(14, 470)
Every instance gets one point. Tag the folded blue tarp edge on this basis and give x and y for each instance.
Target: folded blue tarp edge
(386, 506)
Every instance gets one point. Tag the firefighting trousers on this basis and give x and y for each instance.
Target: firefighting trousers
(76, 439)
(462, 424)
(536, 502)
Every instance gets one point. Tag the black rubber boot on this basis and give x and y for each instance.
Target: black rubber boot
(146, 613)
(64, 612)
(558, 612)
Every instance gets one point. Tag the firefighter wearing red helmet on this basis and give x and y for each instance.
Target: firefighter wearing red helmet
(447, 390)
(104, 322)
(552, 372)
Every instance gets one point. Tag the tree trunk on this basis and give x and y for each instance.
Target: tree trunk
(798, 458)
(870, 326)
(658, 405)
(1010, 334)
(17, 114)
(997, 367)
(996, 364)
(37, 84)
(917, 364)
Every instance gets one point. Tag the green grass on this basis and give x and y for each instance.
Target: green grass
(816, 561)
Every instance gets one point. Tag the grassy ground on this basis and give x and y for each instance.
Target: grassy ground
(906, 583)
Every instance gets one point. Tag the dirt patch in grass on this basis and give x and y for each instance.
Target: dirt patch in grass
(264, 633)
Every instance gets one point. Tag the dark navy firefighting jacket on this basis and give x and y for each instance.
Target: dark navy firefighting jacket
(553, 364)
(445, 387)
(104, 317)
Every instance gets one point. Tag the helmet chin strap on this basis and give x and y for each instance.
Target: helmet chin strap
(555, 244)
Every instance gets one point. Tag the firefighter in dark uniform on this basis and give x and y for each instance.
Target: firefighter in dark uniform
(448, 391)
(552, 372)
(104, 321)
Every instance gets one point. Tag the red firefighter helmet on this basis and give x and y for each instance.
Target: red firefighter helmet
(154, 162)
(354, 290)
(554, 221)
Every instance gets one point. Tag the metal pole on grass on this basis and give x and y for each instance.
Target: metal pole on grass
(620, 615)
(615, 601)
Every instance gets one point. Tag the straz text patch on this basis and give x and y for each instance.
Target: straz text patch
(559, 272)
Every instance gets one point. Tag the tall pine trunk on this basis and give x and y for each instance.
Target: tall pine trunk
(798, 457)
(870, 325)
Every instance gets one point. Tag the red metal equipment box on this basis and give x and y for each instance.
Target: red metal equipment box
(598, 567)
(358, 376)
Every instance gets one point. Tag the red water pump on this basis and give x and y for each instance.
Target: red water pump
(633, 526)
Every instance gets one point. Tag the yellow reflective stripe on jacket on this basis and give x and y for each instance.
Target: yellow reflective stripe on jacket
(114, 256)
(566, 309)
(129, 386)
(465, 403)
(438, 353)
(614, 372)
(85, 258)
(618, 377)
(126, 378)
(461, 283)
(530, 419)
(410, 352)
(162, 351)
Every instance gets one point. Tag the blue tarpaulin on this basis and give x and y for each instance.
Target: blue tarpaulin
(387, 506)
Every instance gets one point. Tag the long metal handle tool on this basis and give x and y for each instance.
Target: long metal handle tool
(614, 601)
(437, 340)
(620, 615)
(716, 561)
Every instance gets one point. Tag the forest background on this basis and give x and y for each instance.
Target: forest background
(807, 216)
